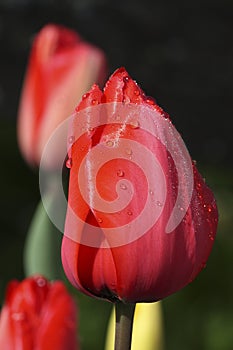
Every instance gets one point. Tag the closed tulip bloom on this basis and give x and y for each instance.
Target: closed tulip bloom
(141, 221)
(38, 315)
(61, 68)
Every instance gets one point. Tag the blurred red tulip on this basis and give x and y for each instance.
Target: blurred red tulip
(61, 68)
(38, 315)
(168, 254)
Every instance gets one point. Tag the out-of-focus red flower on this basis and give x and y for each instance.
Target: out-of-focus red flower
(160, 261)
(38, 315)
(61, 68)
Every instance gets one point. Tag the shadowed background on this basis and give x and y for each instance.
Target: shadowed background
(181, 53)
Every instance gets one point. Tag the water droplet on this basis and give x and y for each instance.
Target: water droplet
(69, 163)
(109, 143)
(208, 207)
(129, 151)
(100, 220)
(126, 99)
(18, 316)
(134, 124)
(123, 186)
(180, 208)
(137, 92)
(159, 203)
(129, 212)
(41, 282)
(210, 235)
(90, 129)
(120, 173)
(126, 79)
(150, 101)
(151, 192)
(85, 95)
(194, 162)
(94, 102)
(71, 139)
(165, 115)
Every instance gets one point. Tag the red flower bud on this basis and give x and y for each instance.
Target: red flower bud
(141, 221)
(61, 68)
(38, 315)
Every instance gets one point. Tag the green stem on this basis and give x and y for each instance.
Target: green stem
(124, 325)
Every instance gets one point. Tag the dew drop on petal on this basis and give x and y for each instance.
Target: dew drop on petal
(129, 151)
(94, 102)
(126, 99)
(109, 143)
(123, 186)
(159, 204)
(120, 173)
(100, 220)
(129, 212)
(180, 208)
(210, 235)
(134, 124)
(165, 115)
(150, 101)
(69, 163)
(137, 92)
(126, 79)
(85, 95)
(41, 282)
(71, 139)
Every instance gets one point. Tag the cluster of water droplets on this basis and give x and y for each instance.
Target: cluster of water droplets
(116, 143)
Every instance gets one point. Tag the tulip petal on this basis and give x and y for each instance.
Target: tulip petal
(38, 315)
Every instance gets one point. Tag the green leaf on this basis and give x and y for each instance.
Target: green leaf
(42, 252)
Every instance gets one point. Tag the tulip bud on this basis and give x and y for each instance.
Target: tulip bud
(141, 221)
(61, 68)
(38, 314)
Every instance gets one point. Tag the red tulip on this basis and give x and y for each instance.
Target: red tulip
(126, 254)
(38, 315)
(61, 68)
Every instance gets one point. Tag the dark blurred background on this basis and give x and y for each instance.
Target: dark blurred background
(181, 53)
